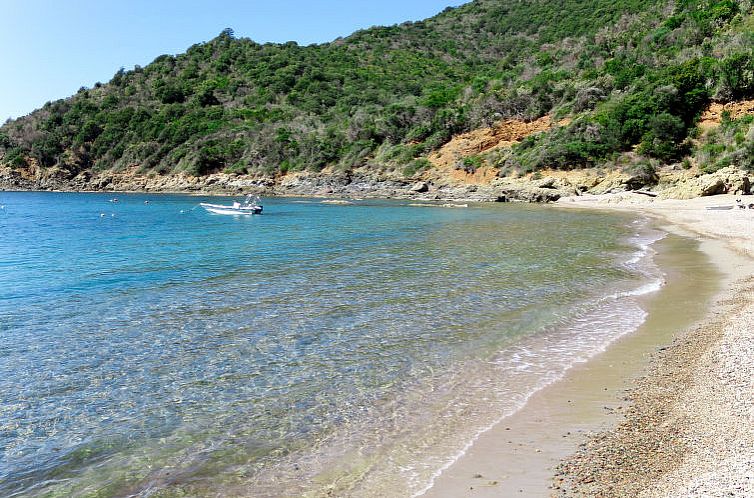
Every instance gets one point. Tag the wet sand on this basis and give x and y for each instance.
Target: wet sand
(612, 411)
(520, 455)
(690, 425)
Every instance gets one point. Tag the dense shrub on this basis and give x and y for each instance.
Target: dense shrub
(635, 74)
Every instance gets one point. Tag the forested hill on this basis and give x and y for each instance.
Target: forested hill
(632, 75)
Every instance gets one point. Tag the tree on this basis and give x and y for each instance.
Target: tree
(664, 139)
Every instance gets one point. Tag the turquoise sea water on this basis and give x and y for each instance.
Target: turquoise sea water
(153, 349)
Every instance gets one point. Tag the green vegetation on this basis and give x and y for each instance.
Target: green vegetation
(658, 86)
(732, 144)
(634, 74)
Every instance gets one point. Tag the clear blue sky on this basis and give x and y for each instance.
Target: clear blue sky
(51, 48)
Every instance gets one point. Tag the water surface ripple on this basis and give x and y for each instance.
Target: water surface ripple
(152, 349)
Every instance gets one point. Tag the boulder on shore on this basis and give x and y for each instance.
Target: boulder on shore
(529, 193)
(728, 180)
(420, 187)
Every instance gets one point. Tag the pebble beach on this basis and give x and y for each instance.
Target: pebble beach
(688, 428)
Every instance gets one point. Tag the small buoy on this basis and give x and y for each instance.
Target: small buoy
(112, 214)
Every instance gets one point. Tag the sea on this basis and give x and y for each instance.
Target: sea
(149, 348)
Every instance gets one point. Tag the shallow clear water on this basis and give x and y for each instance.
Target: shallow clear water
(157, 350)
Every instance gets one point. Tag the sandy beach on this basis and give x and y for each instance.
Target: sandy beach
(668, 411)
(690, 425)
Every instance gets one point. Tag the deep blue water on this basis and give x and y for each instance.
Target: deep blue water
(153, 349)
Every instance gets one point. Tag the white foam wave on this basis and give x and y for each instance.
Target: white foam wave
(643, 242)
(551, 356)
(582, 337)
(647, 288)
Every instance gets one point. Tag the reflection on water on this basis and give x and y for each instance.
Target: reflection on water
(165, 351)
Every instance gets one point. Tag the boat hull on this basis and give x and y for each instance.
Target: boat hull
(231, 210)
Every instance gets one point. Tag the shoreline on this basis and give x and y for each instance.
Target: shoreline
(341, 185)
(688, 429)
(598, 469)
(431, 185)
(586, 455)
(518, 456)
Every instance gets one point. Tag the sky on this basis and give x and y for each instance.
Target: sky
(51, 48)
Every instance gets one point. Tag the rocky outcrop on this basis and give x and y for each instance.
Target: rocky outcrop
(728, 180)
(617, 181)
(680, 184)
(713, 116)
(420, 187)
(530, 193)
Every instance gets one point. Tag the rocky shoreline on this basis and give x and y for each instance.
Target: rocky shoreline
(433, 185)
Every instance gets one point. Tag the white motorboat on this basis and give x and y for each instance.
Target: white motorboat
(250, 205)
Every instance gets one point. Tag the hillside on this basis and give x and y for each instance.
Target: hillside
(624, 82)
